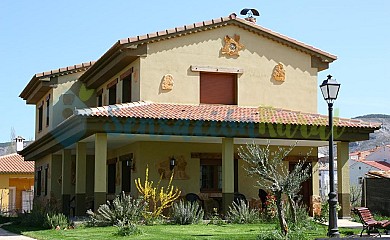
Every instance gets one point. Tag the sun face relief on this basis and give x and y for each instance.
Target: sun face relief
(232, 45)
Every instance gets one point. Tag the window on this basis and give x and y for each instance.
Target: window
(112, 92)
(360, 180)
(126, 89)
(211, 175)
(100, 98)
(40, 117)
(39, 181)
(48, 110)
(218, 88)
(46, 178)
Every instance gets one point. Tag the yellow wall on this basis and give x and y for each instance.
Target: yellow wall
(63, 87)
(135, 84)
(255, 86)
(22, 182)
(153, 153)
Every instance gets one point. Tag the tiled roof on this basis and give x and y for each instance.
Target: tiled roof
(14, 163)
(381, 165)
(231, 18)
(66, 70)
(379, 174)
(219, 113)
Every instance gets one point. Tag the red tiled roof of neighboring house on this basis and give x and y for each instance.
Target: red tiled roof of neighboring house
(231, 17)
(14, 163)
(381, 165)
(220, 113)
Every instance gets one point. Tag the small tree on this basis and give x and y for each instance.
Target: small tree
(157, 197)
(267, 166)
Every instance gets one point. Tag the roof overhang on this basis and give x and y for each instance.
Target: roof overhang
(118, 57)
(77, 128)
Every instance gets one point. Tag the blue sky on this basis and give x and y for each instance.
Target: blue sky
(39, 35)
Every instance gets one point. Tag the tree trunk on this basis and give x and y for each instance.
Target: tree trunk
(282, 218)
(293, 209)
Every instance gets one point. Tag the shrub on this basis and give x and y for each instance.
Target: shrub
(186, 213)
(55, 221)
(122, 209)
(158, 198)
(126, 228)
(241, 213)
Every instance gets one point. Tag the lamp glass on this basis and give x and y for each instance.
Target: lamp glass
(330, 89)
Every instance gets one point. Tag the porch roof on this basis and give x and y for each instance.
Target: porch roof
(219, 113)
(163, 119)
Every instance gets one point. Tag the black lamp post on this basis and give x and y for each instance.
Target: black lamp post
(330, 89)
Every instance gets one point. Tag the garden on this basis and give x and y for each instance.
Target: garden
(161, 213)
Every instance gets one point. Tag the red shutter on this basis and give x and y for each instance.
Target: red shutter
(218, 88)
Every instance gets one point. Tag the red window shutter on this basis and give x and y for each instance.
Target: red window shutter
(218, 88)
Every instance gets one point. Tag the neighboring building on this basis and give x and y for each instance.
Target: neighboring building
(192, 94)
(16, 182)
(323, 172)
(361, 162)
(376, 192)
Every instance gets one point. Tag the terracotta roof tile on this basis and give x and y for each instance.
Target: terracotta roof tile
(220, 113)
(14, 163)
(65, 69)
(381, 165)
(270, 34)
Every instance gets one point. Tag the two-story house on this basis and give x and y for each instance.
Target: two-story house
(182, 99)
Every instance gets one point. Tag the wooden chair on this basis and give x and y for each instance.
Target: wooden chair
(368, 221)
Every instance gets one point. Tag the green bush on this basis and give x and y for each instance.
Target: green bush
(123, 208)
(241, 213)
(126, 228)
(59, 220)
(184, 213)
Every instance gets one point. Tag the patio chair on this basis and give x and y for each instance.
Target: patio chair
(368, 221)
(238, 197)
(193, 197)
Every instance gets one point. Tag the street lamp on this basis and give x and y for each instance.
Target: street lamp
(330, 89)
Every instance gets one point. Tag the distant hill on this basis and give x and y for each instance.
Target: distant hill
(5, 147)
(378, 138)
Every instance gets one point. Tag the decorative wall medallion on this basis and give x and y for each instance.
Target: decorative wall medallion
(232, 45)
(279, 73)
(167, 83)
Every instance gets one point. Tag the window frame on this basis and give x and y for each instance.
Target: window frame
(40, 117)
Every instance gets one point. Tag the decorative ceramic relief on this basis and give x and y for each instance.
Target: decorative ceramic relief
(279, 73)
(179, 170)
(167, 83)
(232, 45)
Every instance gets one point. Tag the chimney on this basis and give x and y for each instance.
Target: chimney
(19, 143)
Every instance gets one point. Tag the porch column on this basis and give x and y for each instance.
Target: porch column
(66, 180)
(227, 173)
(81, 171)
(315, 199)
(343, 179)
(100, 170)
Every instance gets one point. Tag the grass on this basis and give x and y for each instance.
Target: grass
(200, 231)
